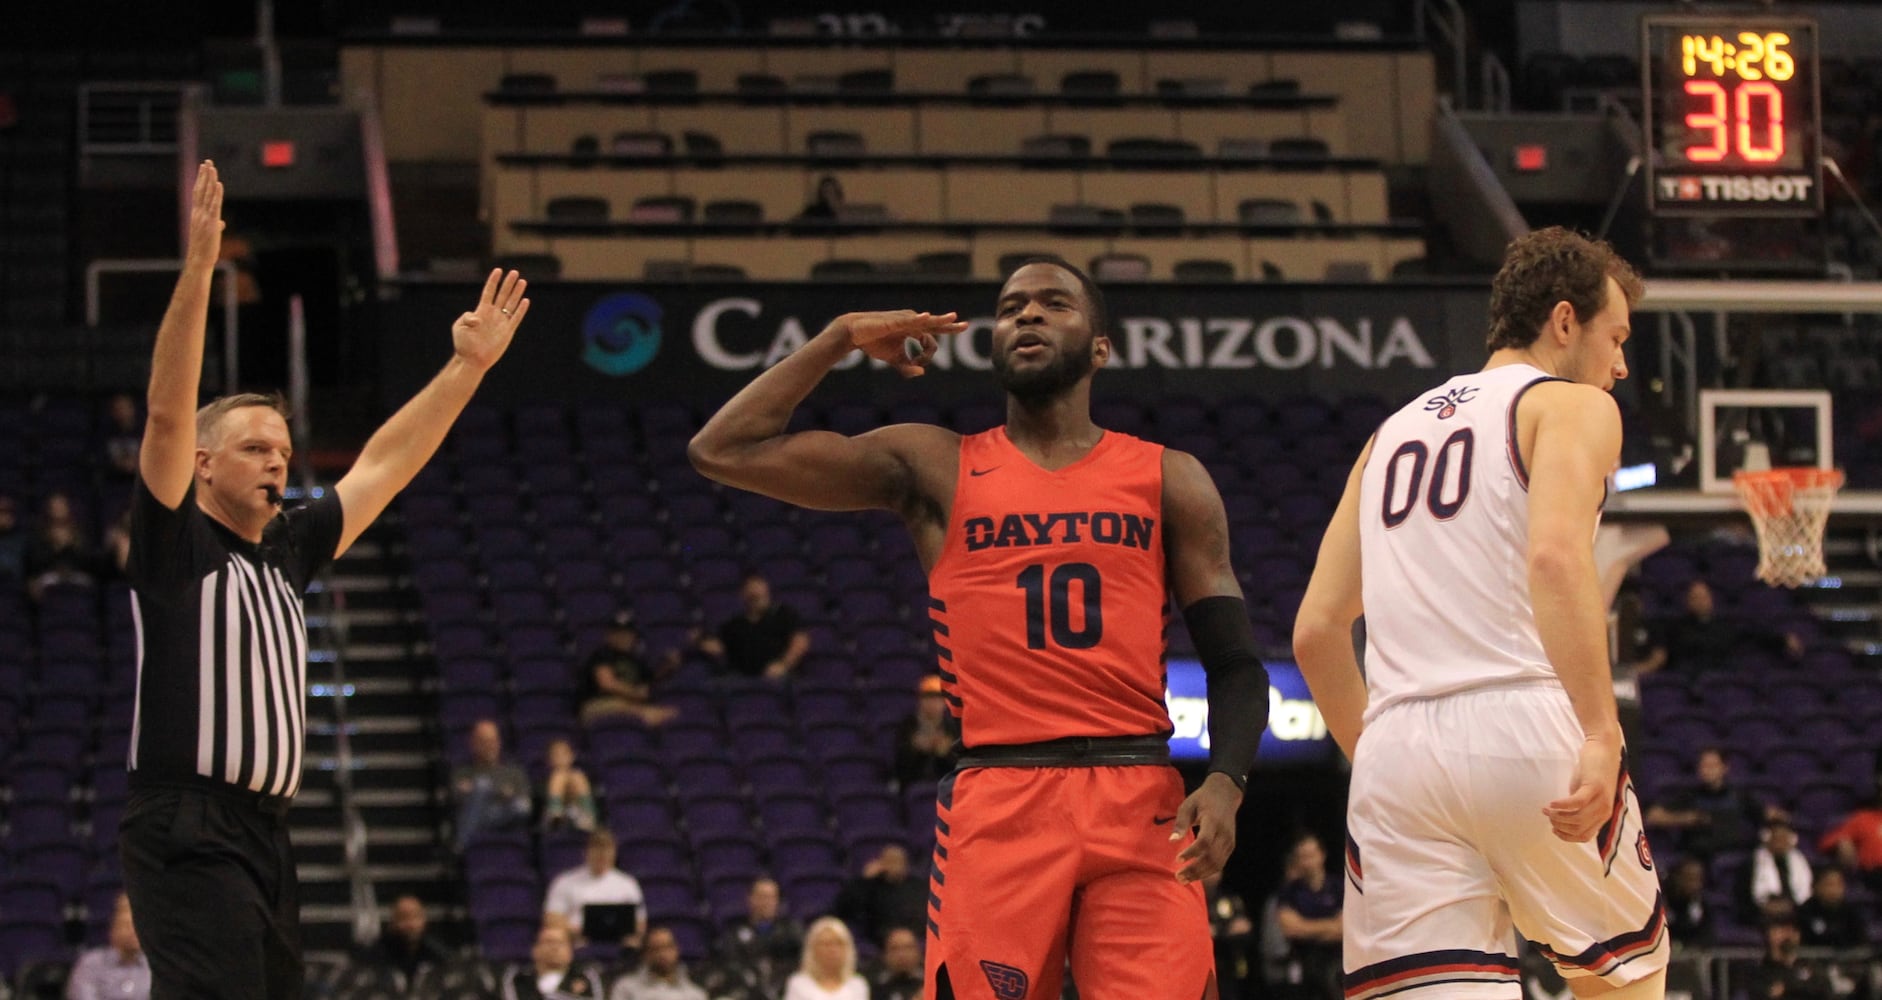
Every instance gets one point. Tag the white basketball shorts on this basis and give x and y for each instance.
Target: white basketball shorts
(1448, 848)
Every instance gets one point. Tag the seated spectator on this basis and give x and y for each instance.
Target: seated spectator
(568, 800)
(1688, 918)
(595, 881)
(119, 970)
(1233, 932)
(885, 897)
(1779, 871)
(12, 542)
(828, 203)
(765, 640)
(491, 794)
(828, 968)
(404, 946)
(1828, 919)
(924, 744)
(551, 974)
(1697, 640)
(900, 974)
(117, 554)
(760, 948)
(58, 552)
(1308, 911)
(1714, 816)
(661, 976)
(1782, 973)
(124, 437)
(617, 678)
(1856, 842)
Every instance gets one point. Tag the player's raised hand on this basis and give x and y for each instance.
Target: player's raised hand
(1579, 815)
(1210, 811)
(887, 336)
(483, 334)
(205, 225)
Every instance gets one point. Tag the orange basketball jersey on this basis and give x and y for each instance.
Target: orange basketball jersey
(1049, 599)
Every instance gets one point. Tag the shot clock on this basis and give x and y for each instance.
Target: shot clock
(1731, 115)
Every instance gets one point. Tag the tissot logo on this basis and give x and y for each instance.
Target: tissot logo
(735, 334)
(1737, 188)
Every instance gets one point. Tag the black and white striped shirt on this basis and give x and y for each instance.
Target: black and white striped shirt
(222, 642)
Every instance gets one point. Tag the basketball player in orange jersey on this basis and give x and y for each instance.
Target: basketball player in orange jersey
(1052, 546)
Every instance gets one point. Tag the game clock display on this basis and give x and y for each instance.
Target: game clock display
(1731, 115)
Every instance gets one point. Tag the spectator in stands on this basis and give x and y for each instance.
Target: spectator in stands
(765, 640)
(1714, 816)
(1233, 933)
(551, 974)
(1688, 918)
(1698, 640)
(117, 555)
(1307, 909)
(618, 677)
(761, 947)
(1856, 842)
(124, 437)
(491, 794)
(828, 968)
(12, 541)
(597, 881)
(885, 897)
(119, 970)
(1828, 919)
(568, 800)
(58, 553)
(924, 745)
(827, 205)
(404, 945)
(1782, 974)
(900, 976)
(1780, 873)
(661, 975)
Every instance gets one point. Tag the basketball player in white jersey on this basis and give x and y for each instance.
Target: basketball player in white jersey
(1488, 786)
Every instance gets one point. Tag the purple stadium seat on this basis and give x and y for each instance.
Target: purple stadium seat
(835, 738)
(780, 776)
(685, 740)
(614, 738)
(729, 857)
(505, 893)
(23, 941)
(40, 781)
(718, 815)
(497, 851)
(637, 778)
(812, 896)
(819, 708)
(507, 938)
(705, 777)
(796, 814)
(37, 824)
(562, 850)
(669, 897)
(59, 864)
(798, 855)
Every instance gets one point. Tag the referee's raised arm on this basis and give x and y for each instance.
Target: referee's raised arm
(395, 452)
(167, 457)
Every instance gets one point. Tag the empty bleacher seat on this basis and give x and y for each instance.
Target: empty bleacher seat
(1268, 212)
(1203, 269)
(1121, 267)
(672, 82)
(576, 208)
(1055, 146)
(866, 81)
(636, 143)
(834, 143)
(1090, 83)
(1156, 218)
(662, 210)
(1000, 85)
(518, 84)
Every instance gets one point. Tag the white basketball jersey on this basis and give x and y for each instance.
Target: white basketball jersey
(1444, 539)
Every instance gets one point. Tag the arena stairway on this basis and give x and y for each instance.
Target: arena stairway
(388, 707)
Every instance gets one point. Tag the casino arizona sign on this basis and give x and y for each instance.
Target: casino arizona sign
(1218, 343)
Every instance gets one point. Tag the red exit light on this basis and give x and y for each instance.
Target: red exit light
(278, 153)
(1531, 158)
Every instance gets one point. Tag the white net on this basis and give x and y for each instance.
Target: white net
(1789, 509)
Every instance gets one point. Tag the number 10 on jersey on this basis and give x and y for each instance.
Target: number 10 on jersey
(1049, 605)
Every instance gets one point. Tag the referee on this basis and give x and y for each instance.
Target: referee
(217, 572)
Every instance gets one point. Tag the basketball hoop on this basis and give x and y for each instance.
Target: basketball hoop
(1789, 508)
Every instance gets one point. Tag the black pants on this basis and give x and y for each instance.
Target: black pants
(213, 893)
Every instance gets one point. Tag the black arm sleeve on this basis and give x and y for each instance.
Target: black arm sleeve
(1238, 683)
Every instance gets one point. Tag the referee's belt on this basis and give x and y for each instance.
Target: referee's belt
(1075, 751)
(270, 805)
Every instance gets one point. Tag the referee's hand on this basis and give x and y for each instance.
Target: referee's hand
(1210, 811)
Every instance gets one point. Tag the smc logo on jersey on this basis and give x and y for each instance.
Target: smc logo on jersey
(1447, 403)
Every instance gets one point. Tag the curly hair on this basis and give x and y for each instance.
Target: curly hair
(1549, 266)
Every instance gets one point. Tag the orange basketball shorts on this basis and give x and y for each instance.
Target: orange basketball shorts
(1035, 865)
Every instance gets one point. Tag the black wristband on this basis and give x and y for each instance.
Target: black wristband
(1241, 780)
(1238, 683)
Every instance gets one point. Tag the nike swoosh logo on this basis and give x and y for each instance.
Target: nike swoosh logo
(982, 472)
(1163, 820)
